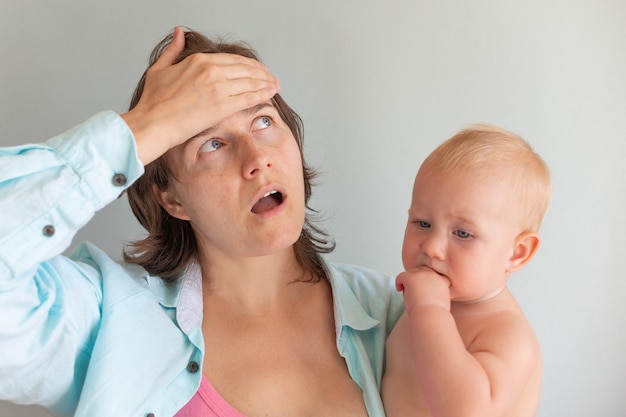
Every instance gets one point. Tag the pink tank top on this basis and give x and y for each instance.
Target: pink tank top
(207, 402)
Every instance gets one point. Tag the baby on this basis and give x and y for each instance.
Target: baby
(464, 347)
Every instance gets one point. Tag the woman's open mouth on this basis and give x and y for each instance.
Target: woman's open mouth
(268, 202)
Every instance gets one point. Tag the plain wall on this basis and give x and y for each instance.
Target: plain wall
(379, 85)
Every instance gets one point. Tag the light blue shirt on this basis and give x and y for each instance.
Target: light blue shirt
(83, 335)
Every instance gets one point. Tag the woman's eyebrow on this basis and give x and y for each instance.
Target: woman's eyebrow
(257, 108)
(248, 111)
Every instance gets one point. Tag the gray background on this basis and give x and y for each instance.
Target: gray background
(379, 85)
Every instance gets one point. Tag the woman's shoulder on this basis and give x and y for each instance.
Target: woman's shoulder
(360, 275)
(374, 290)
(116, 278)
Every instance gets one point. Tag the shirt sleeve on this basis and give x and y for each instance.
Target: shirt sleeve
(49, 191)
(50, 304)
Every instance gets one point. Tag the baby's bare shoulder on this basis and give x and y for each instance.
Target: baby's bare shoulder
(496, 325)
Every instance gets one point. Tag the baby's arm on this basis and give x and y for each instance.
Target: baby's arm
(485, 378)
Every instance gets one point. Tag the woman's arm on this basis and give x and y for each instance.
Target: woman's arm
(50, 304)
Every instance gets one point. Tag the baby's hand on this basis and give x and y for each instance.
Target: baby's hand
(422, 286)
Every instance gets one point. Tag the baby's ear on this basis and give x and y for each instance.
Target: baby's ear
(170, 203)
(526, 244)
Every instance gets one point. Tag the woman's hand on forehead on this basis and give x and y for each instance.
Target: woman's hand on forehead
(182, 99)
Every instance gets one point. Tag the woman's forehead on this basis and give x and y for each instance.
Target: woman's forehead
(245, 112)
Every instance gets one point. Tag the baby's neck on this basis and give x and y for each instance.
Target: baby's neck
(486, 297)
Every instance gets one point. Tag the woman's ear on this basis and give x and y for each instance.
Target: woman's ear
(170, 203)
(526, 244)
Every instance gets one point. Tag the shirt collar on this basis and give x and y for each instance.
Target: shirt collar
(349, 311)
(184, 295)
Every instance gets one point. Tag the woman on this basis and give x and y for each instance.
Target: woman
(226, 307)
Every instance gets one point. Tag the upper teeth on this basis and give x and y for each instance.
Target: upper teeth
(270, 193)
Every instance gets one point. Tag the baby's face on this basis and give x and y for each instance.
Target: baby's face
(464, 227)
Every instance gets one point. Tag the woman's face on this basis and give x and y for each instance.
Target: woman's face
(240, 184)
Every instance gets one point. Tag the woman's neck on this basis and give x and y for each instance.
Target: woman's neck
(260, 282)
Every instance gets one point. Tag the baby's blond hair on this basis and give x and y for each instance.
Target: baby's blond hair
(480, 148)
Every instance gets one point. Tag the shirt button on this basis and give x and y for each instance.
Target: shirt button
(48, 230)
(193, 367)
(119, 179)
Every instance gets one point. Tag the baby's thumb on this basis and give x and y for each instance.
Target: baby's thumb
(399, 283)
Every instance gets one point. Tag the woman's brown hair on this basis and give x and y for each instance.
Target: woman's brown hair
(171, 244)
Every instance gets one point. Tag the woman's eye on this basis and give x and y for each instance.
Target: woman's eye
(211, 145)
(463, 234)
(262, 122)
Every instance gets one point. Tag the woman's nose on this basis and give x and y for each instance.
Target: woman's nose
(256, 158)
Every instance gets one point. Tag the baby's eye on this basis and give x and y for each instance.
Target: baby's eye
(423, 224)
(211, 145)
(463, 234)
(262, 122)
